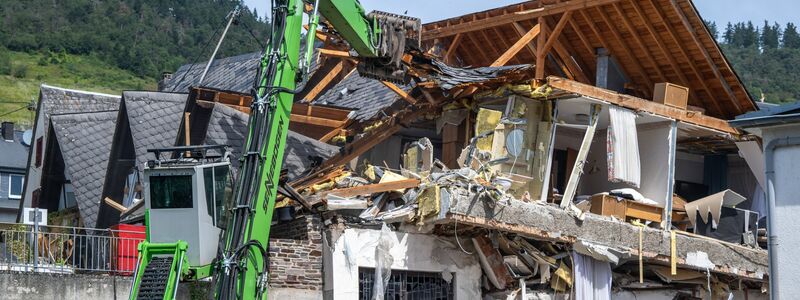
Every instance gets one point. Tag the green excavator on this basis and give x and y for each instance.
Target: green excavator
(200, 224)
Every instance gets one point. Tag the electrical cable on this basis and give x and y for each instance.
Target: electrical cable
(197, 57)
(455, 230)
(13, 111)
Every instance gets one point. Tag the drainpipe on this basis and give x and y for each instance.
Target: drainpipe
(769, 153)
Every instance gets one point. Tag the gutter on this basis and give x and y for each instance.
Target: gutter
(765, 120)
(769, 153)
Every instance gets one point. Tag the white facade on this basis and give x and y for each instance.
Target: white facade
(412, 252)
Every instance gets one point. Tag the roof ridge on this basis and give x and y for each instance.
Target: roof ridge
(43, 85)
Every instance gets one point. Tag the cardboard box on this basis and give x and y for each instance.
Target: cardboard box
(671, 95)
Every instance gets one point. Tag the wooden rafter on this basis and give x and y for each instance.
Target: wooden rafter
(477, 46)
(704, 51)
(569, 60)
(489, 43)
(452, 49)
(400, 92)
(638, 39)
(686, 55)
(541, 55)
(310, 120)
(521, 31)
(335, 53)
(325, 81)
(671, 58)
(514, 49)
(510, 18)
(554, 35)
(636, 63)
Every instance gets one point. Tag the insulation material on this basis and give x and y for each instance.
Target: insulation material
(592, 278)
(389, 176)
(562, 281)
(428, 202)
(623, 147)
(419, 157)
(712, 205)
(487, 121)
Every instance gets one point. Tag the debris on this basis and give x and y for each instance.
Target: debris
(335, 202)
(492, 262)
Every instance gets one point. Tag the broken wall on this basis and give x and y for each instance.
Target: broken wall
(355, 248)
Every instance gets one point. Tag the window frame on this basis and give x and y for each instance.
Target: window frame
(22, 186)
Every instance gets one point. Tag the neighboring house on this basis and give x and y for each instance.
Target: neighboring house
(75, 164)
(234, 73)
(12, 171)
(56, 100)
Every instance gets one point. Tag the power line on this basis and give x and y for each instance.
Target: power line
(13, 111)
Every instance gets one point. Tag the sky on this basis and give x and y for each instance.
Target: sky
(719, 11)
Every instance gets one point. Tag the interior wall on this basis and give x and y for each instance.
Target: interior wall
(689, 167)
(653, 152)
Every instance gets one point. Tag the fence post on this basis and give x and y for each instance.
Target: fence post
(35, 238)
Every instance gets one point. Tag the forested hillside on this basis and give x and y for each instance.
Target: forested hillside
(767, 58)
(146, 37)
(109, 46)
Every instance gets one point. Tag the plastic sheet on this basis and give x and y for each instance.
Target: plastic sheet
(383, 262)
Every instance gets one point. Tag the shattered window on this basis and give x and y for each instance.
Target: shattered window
(407, 285)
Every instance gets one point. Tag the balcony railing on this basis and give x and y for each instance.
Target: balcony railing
(68, 250)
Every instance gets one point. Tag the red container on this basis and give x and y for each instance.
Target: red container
(125, 247)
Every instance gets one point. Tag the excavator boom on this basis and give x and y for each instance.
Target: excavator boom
(378, 39)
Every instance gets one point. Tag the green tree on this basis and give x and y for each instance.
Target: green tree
(770, 36)
(791, 39)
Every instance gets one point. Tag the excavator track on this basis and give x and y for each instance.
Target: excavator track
(155, 278)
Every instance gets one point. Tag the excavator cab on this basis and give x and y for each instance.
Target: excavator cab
(187, 196)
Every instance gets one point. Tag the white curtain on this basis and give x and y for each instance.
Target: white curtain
(623, 147)
(592, 278)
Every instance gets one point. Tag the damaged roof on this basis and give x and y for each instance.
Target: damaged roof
(653, 41)
(85, 141)
(365, 96)
(228, 126)
(234, 73)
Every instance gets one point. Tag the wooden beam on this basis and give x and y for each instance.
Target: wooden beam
(709, 60)
(514, 49)
(452, 49)
(541, 55)
(509, 18)
(315, 121)
(568, 59)
(373, 188)
(115, 205)
(638, 39)
(639, 104)
(584, 40)
(671, 58)
(400, 92)
(521, 31)
(324, 82)
(553, 35)
(359, 147)
(690, 62)
(623, 44)
(477, 46)
(335, 53)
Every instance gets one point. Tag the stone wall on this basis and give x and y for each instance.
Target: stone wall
(295, 253)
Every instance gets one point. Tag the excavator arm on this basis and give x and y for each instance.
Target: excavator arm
(377, 39)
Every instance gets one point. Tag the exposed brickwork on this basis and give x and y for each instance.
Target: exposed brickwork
(295, 253)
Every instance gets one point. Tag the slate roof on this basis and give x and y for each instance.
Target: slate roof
(365, 96)
(769, 115)
(85, 142)
(234, 73)
(56, 100)
(14, 153)
(228, 126)
(154, 119)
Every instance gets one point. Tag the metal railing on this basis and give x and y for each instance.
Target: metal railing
(68, 250)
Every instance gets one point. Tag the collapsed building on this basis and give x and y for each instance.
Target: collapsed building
(560, 150)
